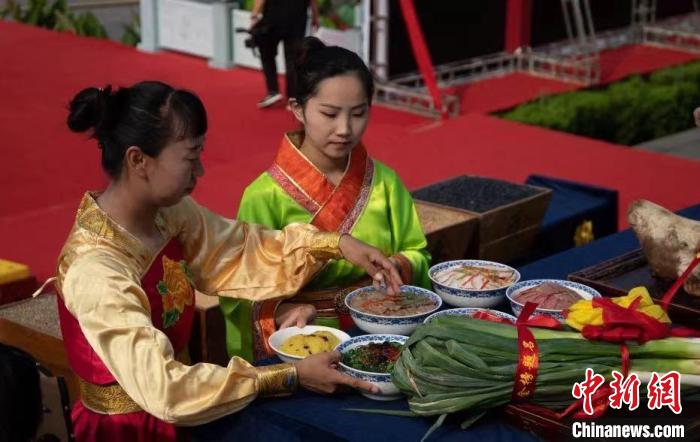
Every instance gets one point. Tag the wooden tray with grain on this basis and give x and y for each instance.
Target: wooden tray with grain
(617, 276)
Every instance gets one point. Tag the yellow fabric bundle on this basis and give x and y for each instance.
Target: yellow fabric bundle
(12, 271)
(583, 313)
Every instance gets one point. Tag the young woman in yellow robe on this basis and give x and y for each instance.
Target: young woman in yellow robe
(323, 175)
(137, 251)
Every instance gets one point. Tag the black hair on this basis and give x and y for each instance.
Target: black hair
(21, 408)
(149, 115)
(317, 62)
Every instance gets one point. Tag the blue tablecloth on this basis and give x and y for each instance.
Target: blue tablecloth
(559, 266)
(571, 204)
(308, 416)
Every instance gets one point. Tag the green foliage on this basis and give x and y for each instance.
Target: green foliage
(55, 16)
(132, 32)
(333, 14)
(337, 14)
(627, 112)
(246, 4)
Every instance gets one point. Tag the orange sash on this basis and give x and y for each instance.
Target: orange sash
(334, 208)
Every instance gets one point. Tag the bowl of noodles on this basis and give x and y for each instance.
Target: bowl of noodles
(472, 283)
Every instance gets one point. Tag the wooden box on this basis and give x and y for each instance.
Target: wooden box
(451, 232)
(508, 214)
(33, 326)
(617, 276)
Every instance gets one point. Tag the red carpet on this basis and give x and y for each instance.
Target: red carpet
(484, 145)
(37, 85)
(45, 168)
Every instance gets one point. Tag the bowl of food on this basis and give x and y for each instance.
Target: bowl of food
(472, 283)
(552, 296)
(371, 358)
(476, 313)
(294, 343)
(375, 311)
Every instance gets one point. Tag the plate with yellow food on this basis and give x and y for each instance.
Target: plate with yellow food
(294, 343)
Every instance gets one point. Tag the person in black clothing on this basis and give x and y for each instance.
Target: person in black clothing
(21, 409)
(282, 20)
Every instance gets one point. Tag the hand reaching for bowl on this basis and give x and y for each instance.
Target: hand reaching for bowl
(378, 266)
(289, 315)
(318, 373)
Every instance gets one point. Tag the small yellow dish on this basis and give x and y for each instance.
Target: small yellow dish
(294, 339)
(305, 345)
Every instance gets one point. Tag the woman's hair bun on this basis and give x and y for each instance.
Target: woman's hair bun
(87, 109)
(309, 46)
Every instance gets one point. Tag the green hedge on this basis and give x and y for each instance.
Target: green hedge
(333, 14)
(58, 17)
(627, 112)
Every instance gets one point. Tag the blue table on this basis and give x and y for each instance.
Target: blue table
(308, 416)
(572, 203)
(559, 266)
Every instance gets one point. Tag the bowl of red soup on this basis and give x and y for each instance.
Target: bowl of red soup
(371, 358)
(376, 311)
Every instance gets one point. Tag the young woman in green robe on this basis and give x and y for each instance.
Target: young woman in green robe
(323, 175)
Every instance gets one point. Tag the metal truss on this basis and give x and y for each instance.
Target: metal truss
(415, 100)
(681, 33)
(574, 60)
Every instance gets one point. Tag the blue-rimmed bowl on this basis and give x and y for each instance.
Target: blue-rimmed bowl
(387, 390)
(583, 290)
(395, 325)
(469, 311)
(460, 297)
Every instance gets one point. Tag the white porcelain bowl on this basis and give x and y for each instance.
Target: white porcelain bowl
(460, 297)
(469, 311)
(387, 390)
(396, 325)
(277, 338)
(583, 290)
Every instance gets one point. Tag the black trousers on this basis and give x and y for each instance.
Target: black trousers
(291, 34)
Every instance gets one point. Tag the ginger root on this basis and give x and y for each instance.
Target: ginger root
(670, 242)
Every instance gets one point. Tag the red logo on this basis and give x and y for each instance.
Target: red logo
(625, 391)
(587, 388)
(665, 391)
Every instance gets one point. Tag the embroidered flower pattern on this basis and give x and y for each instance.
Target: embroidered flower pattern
(176, 290)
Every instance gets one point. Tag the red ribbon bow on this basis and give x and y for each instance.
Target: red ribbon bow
(622, 324)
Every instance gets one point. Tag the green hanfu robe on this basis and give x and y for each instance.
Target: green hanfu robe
(370, 202)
